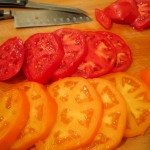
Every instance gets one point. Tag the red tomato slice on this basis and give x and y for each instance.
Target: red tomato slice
(103, 19)
(14, 112)
(11, 58)
(42, 115)
(113, 125)
(74, 45)
(124, 55)
(100, 59)
(79, 114)
(44, 52)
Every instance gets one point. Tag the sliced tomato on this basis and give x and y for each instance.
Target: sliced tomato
(100, 59)
(103, 19)
(145, 75)
(143, 20)
(122, 11)
(14, 111)
(114, 116)
(79, 111)
(42, 115)
(124, 54)
(43, 55)
(74, 45)
(137, 96)
(11, 58)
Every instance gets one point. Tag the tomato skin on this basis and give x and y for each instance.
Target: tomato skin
(43, 55)
(103, 19)
(74, 45)
(100, 59)
(145, 76)
(11, 58)
(124, 54)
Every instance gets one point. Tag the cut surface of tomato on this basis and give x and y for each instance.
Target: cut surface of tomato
(43, 54)
(4, 87)
(137, 96)
(74, 45)
(42, 115)
(11, 58)
(103, 19)
(14, 112)
(113, 124)
(143, 20)
(124, 55)
(100, 59)
(79, 114)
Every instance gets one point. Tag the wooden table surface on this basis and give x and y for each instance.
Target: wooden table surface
(139, 42)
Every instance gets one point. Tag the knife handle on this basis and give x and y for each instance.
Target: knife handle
(13, 3)
(5, 14)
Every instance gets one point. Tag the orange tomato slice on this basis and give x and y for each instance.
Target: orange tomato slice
(113, 124)
(137, 96)
(14, 112)
(79, 114)
(43, 110)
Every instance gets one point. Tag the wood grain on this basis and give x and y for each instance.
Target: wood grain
(139, 42)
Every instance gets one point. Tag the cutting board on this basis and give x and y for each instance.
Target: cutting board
(139, 42)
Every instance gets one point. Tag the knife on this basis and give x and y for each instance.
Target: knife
(30, 4)
(39, 18)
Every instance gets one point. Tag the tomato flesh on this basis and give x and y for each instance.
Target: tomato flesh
(100, 59)
(43, 55)
(137, 97)
(79, 110)
(74, 45)
(114, 116)
(124, 55)
(103, 19)
(11, 58)
(42, 115)
(14, 112)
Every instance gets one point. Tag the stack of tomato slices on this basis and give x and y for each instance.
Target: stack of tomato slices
(62, 53)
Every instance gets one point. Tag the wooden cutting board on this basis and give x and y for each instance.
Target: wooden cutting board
(139, 42)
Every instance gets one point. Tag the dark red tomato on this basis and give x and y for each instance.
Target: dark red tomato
(43, 55)
(143, 20)
(100, 58)
(124, 56)
(122, 11)
(74, 45)
(11, 58)
(103, 19)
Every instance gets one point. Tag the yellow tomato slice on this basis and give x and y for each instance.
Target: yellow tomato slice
(79, 114)
(137, 96)
(43, 110)
(14, 112)
(113, 124)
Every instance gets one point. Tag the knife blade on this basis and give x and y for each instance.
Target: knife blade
(31, 4)
(39, 18)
